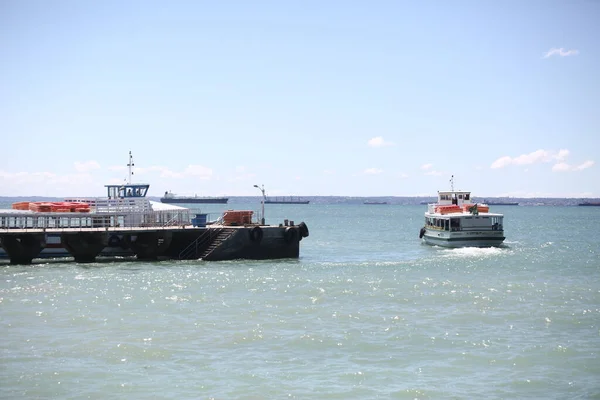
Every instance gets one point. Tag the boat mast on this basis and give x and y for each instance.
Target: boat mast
(130, 165)
(452, 182)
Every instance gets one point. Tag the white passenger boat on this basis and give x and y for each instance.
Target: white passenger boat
(455, 221)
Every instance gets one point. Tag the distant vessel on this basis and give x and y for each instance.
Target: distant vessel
(501, 203)
(285, 200)
(375, 202)
(590, 203)
(454, 221)
(172, 198)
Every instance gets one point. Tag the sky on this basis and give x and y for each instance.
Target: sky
(308, 98)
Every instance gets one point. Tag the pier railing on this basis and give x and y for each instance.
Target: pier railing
(162, 218)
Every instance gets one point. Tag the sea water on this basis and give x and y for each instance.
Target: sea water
(367, 312)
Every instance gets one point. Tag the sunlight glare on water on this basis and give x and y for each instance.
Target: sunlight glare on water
(366, 312)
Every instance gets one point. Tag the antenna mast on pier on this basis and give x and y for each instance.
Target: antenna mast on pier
(130, 166)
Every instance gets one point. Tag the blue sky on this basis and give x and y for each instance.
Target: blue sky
(381, 98)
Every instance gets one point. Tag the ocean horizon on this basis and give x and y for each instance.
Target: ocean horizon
(5, 201)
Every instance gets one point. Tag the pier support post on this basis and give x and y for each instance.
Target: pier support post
(84, 246)
(22, 249)
(151, 245)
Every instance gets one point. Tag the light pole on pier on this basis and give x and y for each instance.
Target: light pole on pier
(262, 203)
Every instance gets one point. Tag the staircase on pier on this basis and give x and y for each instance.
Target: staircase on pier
(206, 243)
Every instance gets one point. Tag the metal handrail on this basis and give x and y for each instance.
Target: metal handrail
(206, 236)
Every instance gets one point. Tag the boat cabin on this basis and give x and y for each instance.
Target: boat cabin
(454, 197)
(126, 191)
(465, 222)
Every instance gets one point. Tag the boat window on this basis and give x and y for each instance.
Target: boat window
(460, 196)
(454, 224)
(467, 195)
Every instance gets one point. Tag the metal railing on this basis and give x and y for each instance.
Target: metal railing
(161, 218)
(201, 242)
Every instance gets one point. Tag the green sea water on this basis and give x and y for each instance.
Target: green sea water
(367, 312)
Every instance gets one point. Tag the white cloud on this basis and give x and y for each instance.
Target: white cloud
(378, 142)
(402, 175)
(372, 171)
(543, 156)
(585, 165)
(27, 177)
(560, 52)
(198, 171)
(86, 166)
(43, 183)
(563, 167)
(167, 173)
(538, 156)
(562, 154)
(429, 171)
(329, 172)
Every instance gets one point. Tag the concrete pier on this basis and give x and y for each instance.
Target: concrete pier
(84, 246)
(23, 248)
(150, 245)
(211, 243)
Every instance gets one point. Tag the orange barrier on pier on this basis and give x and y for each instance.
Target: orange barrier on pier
(22, 205)
(42, 206)
(232, 217)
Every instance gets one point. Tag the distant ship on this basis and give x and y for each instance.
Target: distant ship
(172, 198)
(590, 203)
(501, 203)
(285, 200)
(375, 202)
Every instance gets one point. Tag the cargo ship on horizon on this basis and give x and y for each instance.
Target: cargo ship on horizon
(590, 203)
(501, 203)
(171, 198)
(285, 200)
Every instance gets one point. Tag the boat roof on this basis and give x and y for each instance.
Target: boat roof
(453, 191)
(462, 214)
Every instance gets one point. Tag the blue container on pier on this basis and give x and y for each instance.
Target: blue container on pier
(199, 221)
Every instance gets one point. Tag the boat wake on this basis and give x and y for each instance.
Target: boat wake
(476, 252)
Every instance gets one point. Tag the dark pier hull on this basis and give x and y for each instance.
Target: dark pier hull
(214, 243)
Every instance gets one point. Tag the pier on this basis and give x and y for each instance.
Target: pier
(156, 235)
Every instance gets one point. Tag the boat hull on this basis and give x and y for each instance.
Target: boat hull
(195, 200)
(464, 239)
